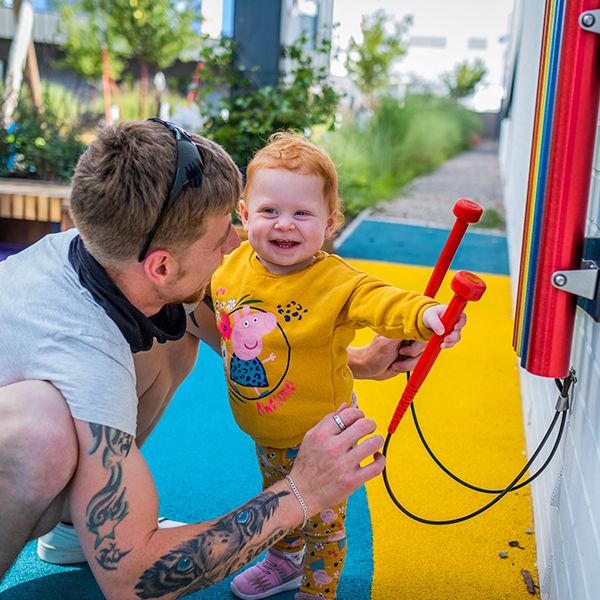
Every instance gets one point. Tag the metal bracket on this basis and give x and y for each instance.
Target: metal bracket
(584, 282)
(590, 21)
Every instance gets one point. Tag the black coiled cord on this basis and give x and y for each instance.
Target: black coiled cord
(563, 387)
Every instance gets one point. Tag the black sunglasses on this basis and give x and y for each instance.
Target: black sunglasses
(188, 173)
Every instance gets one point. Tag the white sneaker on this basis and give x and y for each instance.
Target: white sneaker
(61, 545)
(164, 523)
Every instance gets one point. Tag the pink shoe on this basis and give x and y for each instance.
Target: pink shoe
(272, 575)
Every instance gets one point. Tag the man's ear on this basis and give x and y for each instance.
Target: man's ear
(160, 266)
(243, 212)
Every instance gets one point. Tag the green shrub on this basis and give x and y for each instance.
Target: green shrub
(491, 219)
(243, 120)
(129, 102)
(398, 142)
(65, 106)
(40, 146)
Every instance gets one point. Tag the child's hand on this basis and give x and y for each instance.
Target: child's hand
(431, 319)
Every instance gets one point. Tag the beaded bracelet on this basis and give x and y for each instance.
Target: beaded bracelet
(300, 499)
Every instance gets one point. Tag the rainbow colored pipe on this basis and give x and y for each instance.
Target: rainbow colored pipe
(559, 178)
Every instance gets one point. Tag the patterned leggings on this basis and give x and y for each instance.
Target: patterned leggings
(324, 534)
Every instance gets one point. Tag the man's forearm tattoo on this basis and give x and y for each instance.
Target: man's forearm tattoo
(109, 507)
(213, 554)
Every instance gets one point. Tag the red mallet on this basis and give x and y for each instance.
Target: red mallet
(467, 287)
(466, 212)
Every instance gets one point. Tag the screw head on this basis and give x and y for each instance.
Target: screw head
(587, 20)
(560, 280)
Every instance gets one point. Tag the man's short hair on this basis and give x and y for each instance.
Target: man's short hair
(123, 179)
(293, 152)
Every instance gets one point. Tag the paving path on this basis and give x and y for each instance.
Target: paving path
(429, 199)
(413, 228)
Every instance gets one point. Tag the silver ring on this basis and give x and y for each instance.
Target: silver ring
(339, 422)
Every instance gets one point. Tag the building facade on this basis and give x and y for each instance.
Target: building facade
(566, 498)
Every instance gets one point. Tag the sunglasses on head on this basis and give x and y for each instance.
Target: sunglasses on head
(188, 173)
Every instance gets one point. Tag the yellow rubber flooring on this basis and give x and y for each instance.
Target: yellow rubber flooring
(469, 409)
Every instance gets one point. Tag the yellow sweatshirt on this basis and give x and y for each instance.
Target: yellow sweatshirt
(284, 338)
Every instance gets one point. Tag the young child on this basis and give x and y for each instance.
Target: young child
(286, 312)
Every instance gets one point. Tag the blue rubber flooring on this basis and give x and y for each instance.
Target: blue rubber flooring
(203, 467)
(389, 241)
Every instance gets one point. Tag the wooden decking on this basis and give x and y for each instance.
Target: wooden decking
(33, 201)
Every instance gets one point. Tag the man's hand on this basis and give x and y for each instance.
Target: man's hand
(327, 468)
(383, 358)
(432, 320)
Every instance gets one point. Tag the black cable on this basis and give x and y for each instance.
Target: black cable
(501, 495)
(470, 485)
(563, 388)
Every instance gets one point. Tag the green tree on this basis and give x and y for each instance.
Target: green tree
(157, 31)
(384, 40)
(244, 118)
(152, 32)
(463, 79)
(88, 27)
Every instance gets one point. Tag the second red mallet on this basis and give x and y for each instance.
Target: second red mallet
(467, 287)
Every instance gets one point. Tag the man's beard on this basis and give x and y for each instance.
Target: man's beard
(194, 298)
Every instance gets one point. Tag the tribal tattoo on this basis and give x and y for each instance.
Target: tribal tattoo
(109, 507)
(214, 554)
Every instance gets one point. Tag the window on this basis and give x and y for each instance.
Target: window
(428, 41)
(477, 44)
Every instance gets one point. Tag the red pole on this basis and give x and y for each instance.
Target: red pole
(466, 212)
(193, 90)
(467, 287)
(565, 205)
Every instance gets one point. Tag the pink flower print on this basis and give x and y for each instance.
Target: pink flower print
(220, 291)
(328, 516)
(321, 577)
(224, 325)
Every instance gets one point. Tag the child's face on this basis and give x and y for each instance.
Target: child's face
(287, 218)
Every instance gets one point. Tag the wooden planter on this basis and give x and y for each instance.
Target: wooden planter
(31, 209)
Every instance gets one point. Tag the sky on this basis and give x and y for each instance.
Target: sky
(457, 21)
(437, 17)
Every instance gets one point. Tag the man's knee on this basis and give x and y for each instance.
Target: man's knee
(38, 445)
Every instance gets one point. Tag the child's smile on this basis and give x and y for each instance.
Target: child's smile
(287, 218)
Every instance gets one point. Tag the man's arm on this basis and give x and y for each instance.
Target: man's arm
(202, 324)
(114, 507)
(384, 357)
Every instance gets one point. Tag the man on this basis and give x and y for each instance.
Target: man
(82, 381)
